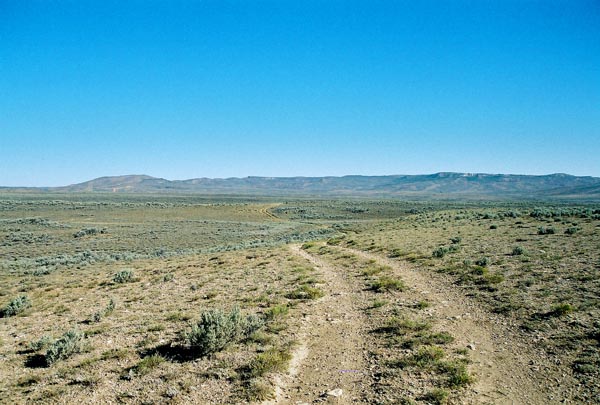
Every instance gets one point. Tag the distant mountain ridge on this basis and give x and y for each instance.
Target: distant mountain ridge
(438, 185)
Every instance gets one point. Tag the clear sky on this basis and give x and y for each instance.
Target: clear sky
(184, 89)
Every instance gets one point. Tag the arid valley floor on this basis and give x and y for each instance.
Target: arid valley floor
(155, 299)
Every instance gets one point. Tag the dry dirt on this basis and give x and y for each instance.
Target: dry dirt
(332, 345)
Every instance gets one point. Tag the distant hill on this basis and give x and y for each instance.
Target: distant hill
(438, 185)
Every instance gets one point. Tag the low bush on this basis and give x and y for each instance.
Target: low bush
(518, 250)
(453, 248)
(562, 309)
(396, 253)
(15, 306)
(387, 284)
(67, 345)
(259, 389)
(277, 311)
(542, 230)
(147, 364)
(403, 326)
(440, 252)
(424, 358)
(437, 396)
(493, 278)
(456, 240)
(305, 292)
(97, 316)
(379, 304)
(123, 276)
(425, 338)
(458, 376)
(87, 232)
(571, 230)
(216, 329)
(272, 360)
(373, 270)
(42, 343)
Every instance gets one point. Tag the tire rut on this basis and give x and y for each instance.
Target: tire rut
(508, 369)
(332, 351)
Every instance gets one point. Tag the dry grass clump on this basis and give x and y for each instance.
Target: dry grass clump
(385, 284)
(272, 360)
(305, 292)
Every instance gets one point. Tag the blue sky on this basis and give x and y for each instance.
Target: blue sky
(184, 89)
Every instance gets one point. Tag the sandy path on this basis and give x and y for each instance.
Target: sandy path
(508, 370)
(266, 211)
(331, 352)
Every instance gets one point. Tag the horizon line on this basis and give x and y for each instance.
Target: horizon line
(301, 176)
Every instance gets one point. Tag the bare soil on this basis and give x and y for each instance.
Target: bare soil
(332, 344)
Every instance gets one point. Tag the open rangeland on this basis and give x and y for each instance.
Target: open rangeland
(182, 299)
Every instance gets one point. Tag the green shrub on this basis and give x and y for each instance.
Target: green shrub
(334, 241)
(493, 278)
(546, 231)
(396, 253)
(458, 376)
(42, 343)
(88, 231)
(456, 240)
(372, 270)
(518, 250)
(68, 344)
(15, 306)
(97, 317)
(277, 311)
(123, 276)
(440, 252)
(216, 329)
(493, 226)
(259, 389)
(305, 292)
(422, 304)
(403, 326)
(453, 248)
(562, 309)
(147, 364)
(571, 230)
(260, 337)
(270, 361)
(387, 284)
(425, 358)
(110, 307)
(421, 338)
(437, 396)
(484, 261)
(379, 303)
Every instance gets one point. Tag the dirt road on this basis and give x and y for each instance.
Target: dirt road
(331, 361)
